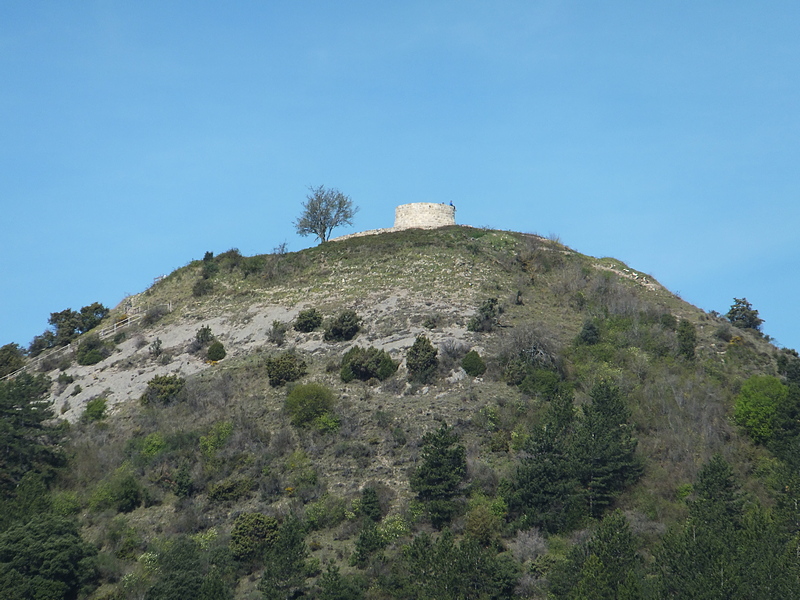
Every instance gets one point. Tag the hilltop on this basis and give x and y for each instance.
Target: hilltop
(554, 330)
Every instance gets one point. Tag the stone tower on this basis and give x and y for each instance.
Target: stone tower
(424, 215)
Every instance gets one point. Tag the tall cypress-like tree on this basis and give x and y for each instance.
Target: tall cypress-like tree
(437, 479)
(605, 449)
(285, 563)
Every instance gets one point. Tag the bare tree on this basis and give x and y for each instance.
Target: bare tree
(323, 210)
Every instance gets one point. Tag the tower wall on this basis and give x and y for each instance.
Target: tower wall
(424, 215)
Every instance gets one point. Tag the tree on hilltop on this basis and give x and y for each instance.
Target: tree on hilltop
(324, 210)
(743, 315)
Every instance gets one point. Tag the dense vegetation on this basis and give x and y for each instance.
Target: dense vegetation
(554, 429)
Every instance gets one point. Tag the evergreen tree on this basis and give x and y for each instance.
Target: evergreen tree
(699, 560)
(285, 566)
(26, 444)
(543, 492)
(437, 479)
(605, 449)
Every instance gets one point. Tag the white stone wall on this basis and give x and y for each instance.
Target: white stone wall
(424, 215)
(419, 215)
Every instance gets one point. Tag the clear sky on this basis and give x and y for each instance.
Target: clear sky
(135, 136)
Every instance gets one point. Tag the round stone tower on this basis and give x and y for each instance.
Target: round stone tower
(424, 215)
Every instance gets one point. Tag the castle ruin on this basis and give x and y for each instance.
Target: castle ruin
(417, 215)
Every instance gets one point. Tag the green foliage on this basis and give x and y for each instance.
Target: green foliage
(445, 570)
(335, 586)
(215, 439)
(370, 505)
(285, 565)
(687, 339)
(757, 404)
(590, 333)
(604, 567)
(308, 320)
(473, 364)
(216, 351)
(344, 327)
(367, 363)
(743, 315)
(277, 333)
(326, 512)
(45, 558)
(421, 361)
(437, 480)
(789, 365)
(324, 210)
(307, 402)
(251, 535)
(12, 358)
(285, 367)
(369, 541)
(204, 335)
(230, 489)
(121, 492)
(69, 324)
(202, 287)
(164, 389)
(91, 350)
(28, 445)
(605, 449)
(486, 319)
(95, 410)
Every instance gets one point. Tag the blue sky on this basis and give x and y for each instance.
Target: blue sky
(134, 136)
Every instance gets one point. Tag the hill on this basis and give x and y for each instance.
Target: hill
(595, 398)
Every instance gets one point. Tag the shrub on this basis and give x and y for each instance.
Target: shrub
(277, 333)
(308, 320)
(757, 404)
(343, 328)
(284, 368)
(122, 492)
(473, 364)
(421, 360)
(232, 488)
(687, 339)
(163, 389)
(367, 363)
(204, 335)
(486, 318)
(743, 315)
(95, 410)
(91, 351)
(590, 333)
(252, 533)
(202, 287)
(307, 402)
(154, 314)
(216, 351)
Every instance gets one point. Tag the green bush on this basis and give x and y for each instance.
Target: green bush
(687, 339)
(202, 287)
(95, 410)
(232, 488)
(284, 368)
(307, 402)
(216, 351)
(122, 492)
(204, 335)
(91, 350)
(486, 318)
(308, 320)
(343, 328)
(367, 363)
(473, 364)
(421, 360)
(757, 403)
(252, 533)
(163, 389)
(277, 333)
